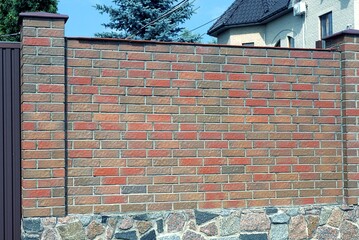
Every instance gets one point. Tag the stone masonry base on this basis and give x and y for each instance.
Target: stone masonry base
(309, 222)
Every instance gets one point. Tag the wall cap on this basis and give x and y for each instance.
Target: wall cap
(44, 15)
(97, 39)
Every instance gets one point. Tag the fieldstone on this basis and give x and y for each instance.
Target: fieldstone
(324, 215)
(112, 222)
(189, 214)
(143, 226)
(313, 222)
(293, 212)
(280, 218)
(192, 226)
(203, 217)
(210, 229)
(255, 236)
(67, 219)
(85, 220)
(73, 230)
(109, 232)
(94, 229)
(50, 234)
(349, 231)
(346, 208)
(126, 223)
(159, 224)
(279, 232)
(31, 237)
(335, 218)
(189, 235)
(327, 233)
(149, 236)
(141, 217)
(230, 225)
(298, 228)
(254, 222)
(170, 237)
(312, 211)
(271, 210)
(48, 222)
(175, 222)
(225, 212)
(226, 238)
(32, 225)
(349, 215)
(130, 235)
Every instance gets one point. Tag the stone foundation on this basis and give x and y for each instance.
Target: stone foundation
(310, 222)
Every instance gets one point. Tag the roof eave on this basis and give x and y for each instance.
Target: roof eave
(216, 31)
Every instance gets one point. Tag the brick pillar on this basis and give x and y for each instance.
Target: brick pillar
(43, 118)
(348, 43)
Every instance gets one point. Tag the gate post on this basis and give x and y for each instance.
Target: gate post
(348, 43)
(43, 116)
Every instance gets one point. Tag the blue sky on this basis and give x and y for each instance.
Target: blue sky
(85, 20)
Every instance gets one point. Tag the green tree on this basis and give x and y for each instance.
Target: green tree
(10, 10)
(149, 20)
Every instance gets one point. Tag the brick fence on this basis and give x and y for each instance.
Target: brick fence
(113, 126)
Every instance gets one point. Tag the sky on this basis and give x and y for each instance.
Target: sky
(85, 20)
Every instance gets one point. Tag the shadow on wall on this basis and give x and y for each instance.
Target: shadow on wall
(344, 4)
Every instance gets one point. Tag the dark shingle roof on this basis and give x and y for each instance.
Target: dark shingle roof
(249, 12)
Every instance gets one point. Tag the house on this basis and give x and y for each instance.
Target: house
(284, 23)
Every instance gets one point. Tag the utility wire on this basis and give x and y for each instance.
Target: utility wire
(9, 35)
(175, 8)
(204, 24)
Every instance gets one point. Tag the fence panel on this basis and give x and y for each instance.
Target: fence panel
(10, 140)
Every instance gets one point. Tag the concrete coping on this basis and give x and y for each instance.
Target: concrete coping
(44, 15)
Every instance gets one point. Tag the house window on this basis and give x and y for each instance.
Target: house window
(291, 42)
(277, 44)
(248, 44)
(326, 25)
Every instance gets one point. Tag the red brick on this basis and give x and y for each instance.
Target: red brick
(41, 193)
(133, 153)
(209, 170)
(114, 199)
(32, 41)
(51, 88)
(190, 93)
(215, 76)
(106, 172)
(210, 135)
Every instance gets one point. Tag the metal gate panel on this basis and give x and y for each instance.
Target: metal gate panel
(10, 142)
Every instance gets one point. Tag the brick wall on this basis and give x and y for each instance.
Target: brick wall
(159, 126)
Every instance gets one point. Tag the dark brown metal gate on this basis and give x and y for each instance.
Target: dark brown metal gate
(10, 168)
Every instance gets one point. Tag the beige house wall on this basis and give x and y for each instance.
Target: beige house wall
(305, 29)
(240, 36)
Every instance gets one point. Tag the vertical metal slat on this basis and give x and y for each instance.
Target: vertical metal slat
(2, 169)
(7, 145)
(16, 143)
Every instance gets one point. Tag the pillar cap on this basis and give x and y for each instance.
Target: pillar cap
(44, 15)
(345, 32)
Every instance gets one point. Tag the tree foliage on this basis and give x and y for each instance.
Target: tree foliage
(149, 20)
(10, 10)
